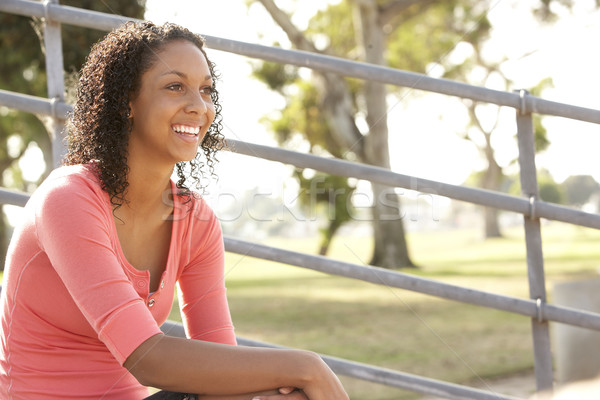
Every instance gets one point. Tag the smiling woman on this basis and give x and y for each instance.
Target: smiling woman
(92, 267)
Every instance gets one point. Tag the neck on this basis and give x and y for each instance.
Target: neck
(149, 188)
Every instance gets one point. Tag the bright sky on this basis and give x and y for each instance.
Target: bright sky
(423, 137)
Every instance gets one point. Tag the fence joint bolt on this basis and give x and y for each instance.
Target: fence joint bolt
(53, 110)
(539, 305)
(46, 4)
(532, 208)
(522, 101)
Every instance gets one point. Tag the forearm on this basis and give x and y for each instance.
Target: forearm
(205, 368)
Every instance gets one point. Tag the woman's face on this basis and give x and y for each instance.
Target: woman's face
(173, 109)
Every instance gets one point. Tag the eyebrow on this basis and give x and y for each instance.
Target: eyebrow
(183, 75)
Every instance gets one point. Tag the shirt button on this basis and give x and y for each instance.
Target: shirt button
(151, 303)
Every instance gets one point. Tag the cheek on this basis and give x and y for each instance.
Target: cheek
(211, 113)
(211, 108)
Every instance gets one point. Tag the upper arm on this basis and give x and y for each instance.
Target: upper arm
(73, 229)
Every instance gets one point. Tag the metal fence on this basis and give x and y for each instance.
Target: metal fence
(529, 205)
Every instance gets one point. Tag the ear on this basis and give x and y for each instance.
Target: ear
(130, 111)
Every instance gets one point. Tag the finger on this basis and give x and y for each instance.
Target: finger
(294, 395)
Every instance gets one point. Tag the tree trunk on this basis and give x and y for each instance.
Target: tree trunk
(390, 250)
(491, 180)
(327, 235)
(492, 227)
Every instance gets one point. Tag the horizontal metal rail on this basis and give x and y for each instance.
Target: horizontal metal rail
(394, 279)
(64, 14)
(532, 208)
(341, 66)
(370, 373)
(13, 197)
(34, 104)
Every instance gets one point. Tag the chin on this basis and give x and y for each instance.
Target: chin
(188, 158)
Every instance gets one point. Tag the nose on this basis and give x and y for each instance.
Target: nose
(196, 103)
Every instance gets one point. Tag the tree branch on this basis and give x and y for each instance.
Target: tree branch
(5, 163)
(336, 98)
(283, 20)
(392, 9)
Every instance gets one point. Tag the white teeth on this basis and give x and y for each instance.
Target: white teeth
(190, 130)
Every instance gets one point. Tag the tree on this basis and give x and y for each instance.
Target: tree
(579, 189)
(480, 115)
(402, 34)
(332, 193)
(23, 70)
(549, 190)
(492, 177)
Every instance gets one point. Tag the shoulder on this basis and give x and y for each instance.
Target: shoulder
(72, 177)
(69, 185)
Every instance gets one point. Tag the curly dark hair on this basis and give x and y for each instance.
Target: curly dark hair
(99, 127)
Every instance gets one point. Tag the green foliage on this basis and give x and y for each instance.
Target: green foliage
(545, 13)
(579, 189)
(77, 41)
(275, 75)
(541, 137)
(303, 116)
(549, 190)
(333, 191)
(22, 68)
(334, 28)
(419, 38)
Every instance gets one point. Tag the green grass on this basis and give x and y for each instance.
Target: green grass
(399, 329)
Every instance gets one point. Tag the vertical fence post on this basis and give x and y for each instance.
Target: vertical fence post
(55, 82)
(533, 243)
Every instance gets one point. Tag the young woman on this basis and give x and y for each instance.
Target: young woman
(91, 271)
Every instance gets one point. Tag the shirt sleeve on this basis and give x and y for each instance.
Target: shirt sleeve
(73, 225)
(202, 293)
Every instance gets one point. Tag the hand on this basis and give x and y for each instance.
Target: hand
(324, 384)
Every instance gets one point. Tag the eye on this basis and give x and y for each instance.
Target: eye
(207, 90)
(175, 87)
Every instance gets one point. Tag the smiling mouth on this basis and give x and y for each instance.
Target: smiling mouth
(186, 130)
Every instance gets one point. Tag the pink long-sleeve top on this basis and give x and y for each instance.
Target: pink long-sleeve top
(73, 309)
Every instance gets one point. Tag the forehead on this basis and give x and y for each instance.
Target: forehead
(180, 56)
